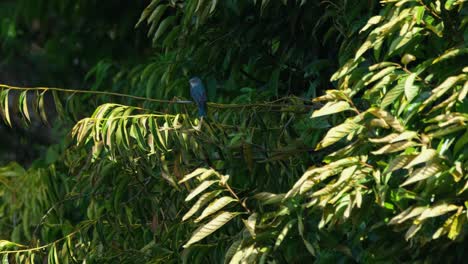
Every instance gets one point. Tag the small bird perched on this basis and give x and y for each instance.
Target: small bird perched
(197, 91)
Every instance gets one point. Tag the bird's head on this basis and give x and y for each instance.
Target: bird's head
(195, 81)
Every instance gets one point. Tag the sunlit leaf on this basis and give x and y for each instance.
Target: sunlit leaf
(337, 133)
(437, 210)
(395, 147)
(425, 156)
(423, 173)
(389, 119)
(204, 199)
(215, 206)
(200, 188)
(284, 232)
(250, 224)
(332, 108)
(216, 223)
(407, 214)
(193, 174)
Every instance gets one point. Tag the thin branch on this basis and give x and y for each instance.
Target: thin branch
(214, 105)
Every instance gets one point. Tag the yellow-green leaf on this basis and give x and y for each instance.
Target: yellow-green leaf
(425, 156)
(411, 91)
(269, 198)
(389, 119)
(372, 21)
(463, 92)
(450, 54)
(395, 147)
(250, 224)
(207, 229)
(337, 133)
(200, 188)
(412, 230)
(204, 199)
(382, 73)
(385, 139)
(445, 227)
(423, 173)
(442, 89)
(331, 108)
(456, 227)
(392, 95)
(235, 246)
(284, 232)
(215, 206)
(193, 174)
(6, 107)
(407, 214)
(407, 135)
(437, 210)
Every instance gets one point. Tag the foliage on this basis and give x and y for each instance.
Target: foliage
(373, 170)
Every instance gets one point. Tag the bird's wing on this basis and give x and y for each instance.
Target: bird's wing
(198, 93)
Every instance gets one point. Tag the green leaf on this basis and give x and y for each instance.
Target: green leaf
(337, 133)
(411, 91)
(449, 54)
(204, 199)
(284, 232)
(407, 214)
(309, 247)
(332, 108)
(219, 221)
(398, 162)
(163, 27)
(388, 118)
(412, 230)
(215, 206)
(442, 89)
(195, 173)
(382, 73)
(392, 96)
(24, 106)
(200, 3)
(269, 198)
(157, 14)
(235, 246)
(406, 135)
(372, 21)
(200, 188)
(425, 156)
(395, 147)
(445, 227)
(213, 5)
(437, 210)
(250, 224)
(58, 104)
(146, 12)
(42, 108)
(371, 40)
(423, 173)
(345, 69)
(463, 92)
(385, 139)
(456, 227)
(6, 106)
(245, 255)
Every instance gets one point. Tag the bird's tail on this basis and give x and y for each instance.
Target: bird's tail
(202, 110)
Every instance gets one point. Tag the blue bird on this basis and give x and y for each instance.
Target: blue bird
(198, 93)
